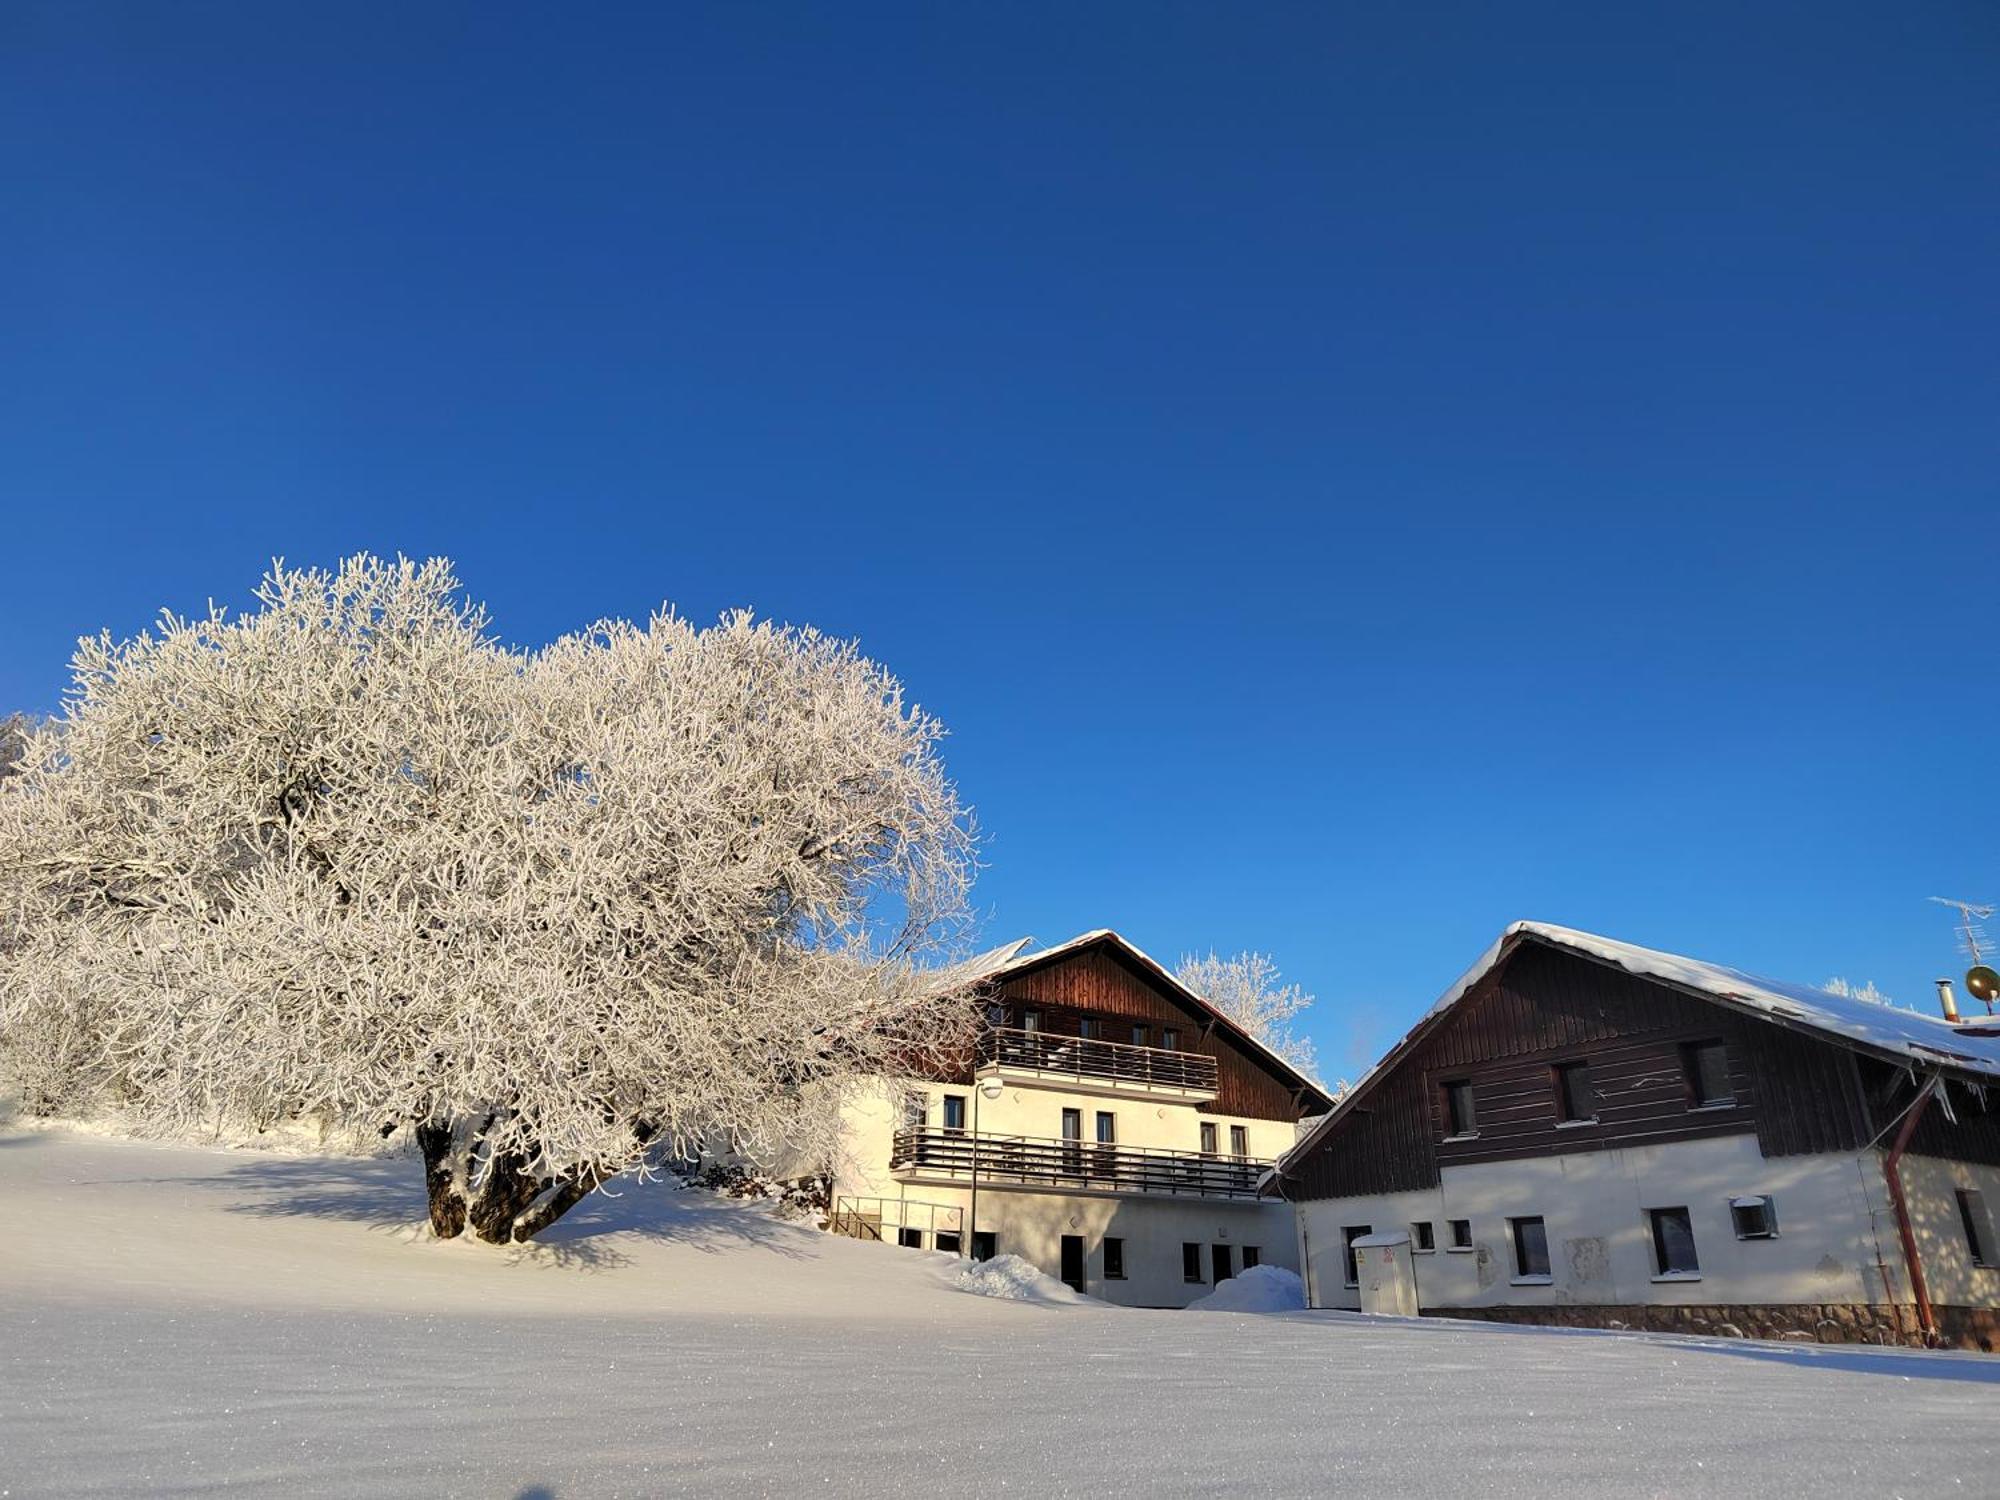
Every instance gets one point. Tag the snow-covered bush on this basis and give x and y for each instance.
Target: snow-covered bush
(347, 858)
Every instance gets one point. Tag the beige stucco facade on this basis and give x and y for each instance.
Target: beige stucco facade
(1151, 1228)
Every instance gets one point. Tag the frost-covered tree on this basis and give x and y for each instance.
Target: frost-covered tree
(1246, 989)
(1864, 991)
(346, 858)
(15, 732)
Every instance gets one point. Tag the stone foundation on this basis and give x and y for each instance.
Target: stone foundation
(1797, 1322)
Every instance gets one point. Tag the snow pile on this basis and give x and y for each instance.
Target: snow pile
(1014, 1280)
(1260, 1289)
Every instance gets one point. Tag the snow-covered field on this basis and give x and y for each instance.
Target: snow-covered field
(182, 1321)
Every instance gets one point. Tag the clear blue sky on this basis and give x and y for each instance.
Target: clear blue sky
(1350, 476)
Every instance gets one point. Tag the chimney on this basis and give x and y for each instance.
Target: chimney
(1947, 1001)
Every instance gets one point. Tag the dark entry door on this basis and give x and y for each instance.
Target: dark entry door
(1219, 1258)
(1072, 1260)
(1072, 1134)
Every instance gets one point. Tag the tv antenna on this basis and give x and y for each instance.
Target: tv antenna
(1981, 979)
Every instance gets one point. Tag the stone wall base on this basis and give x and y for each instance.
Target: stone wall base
(1798, 1322)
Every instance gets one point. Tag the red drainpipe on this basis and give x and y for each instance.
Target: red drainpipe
(1891, 1170)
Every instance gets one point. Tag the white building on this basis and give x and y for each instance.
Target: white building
(1113, 1129)
(1581, 1131)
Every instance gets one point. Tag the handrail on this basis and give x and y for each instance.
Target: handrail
(1077, 1164)
(1084, 1058)
(854, 1219)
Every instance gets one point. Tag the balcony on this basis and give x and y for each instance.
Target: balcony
(1014, 1161)
(1094, 1067)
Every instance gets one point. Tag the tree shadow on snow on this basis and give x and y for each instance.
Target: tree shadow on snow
(385, 1194)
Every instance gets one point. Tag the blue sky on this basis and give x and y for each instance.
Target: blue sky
(1350, 476)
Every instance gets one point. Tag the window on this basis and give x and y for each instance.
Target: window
(949, 1243)
(1239, 1140)
(1459, 1116)
(1755, 1218)
(1531, 1250)
(916, 1106)
(954, 1112)
(1072, 1124)
(996, 1014)
(1114, 1259)
(1706, 1065)
(1107, 1128)
(1252, 1256)
(1139, 1034)
(1031, 1020)
(1423, 1237)
(1978, 1227)
(910, 1239)
(1089, 1028)
(1576, 1101)
(1208, 1137)
(1191, 1263)
(1221, 1262)
(1461, 1233)
(984, 1246)
(1170, 1039)
(1348, 1236)
(1673, 1242)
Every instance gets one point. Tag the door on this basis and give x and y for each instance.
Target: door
(1072, 1147)
(1219, 1258)
(1072, 1261)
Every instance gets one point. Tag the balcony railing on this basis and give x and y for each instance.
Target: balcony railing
(1075, 1165)
(1086, 1060)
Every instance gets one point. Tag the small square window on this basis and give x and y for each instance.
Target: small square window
(1531, 1248)
(1978, 1227)
(1673, 1242)
(1191, 1263)
(1422, 1236)
(1348, 1236)
(949, 1243)
(1706, 1066)
(1460, 1118)
(910, 1239)
(1114, 1259)
(1461, 1233)
(1576, 1100)
(1754, 1217)
(1252, 1256)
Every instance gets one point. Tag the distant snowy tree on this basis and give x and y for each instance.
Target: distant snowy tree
(1867, 991)
(347, 859)
(16, 730)
(1246, 989)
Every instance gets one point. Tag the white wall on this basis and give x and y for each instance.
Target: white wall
(1833, 1224)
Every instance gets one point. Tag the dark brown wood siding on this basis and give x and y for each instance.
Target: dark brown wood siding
(1543, 1007)
(1095, 981)
(1975, 1137)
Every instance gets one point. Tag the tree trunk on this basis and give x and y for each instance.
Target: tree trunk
(503, 1197)
(447, 1201)
(566, 1196)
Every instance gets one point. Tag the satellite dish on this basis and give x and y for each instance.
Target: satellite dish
(1983, 982)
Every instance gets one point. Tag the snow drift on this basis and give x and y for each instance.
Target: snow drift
(1261, 1289)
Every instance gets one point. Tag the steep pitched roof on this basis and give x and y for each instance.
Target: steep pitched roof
(1012, 959)
(1906, 1037)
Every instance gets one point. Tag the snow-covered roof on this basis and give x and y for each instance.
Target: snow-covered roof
(1908, 1037)
(1014, 957)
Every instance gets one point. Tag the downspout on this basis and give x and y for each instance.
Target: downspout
(1891, 1170)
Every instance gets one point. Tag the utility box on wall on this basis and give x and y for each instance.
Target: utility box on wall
(1388, 1273)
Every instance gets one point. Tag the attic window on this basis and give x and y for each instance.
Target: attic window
(1706, 1065)
(1460, 1118)
(1755, 1218)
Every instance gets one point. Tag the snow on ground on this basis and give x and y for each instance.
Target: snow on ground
(179, 1321)
(1016, 1280)
(1261, 1289)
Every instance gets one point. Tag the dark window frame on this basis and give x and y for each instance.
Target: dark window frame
(1768, 1208)
(954, 1104)
(938, 1241)
(1170, 1038)
(1191, 1263)
(1349, 1233)
(1977, 1221)
(1114, 1258)
(1452, 1227)
(1239, 1141)
(1692, 1079)
(1253, 1256)
(1656, 1221)
(1574, 1105)
(1208, 1138)
(1423, 1237)
(1460, 1105)
(985, 1244)
(1530, 1234)
(1107, 1127)
(910, 1239)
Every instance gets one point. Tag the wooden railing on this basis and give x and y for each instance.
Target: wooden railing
(1072, 1165)
(1086, 1058)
